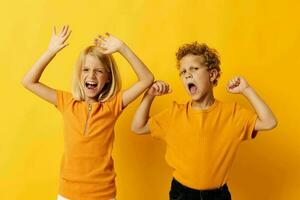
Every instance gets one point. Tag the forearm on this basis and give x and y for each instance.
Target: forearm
(140, 120)
(264, 113)
(34, 74)
(140, 69)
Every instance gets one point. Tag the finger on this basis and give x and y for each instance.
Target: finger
(102, 50)
(230, 84)
(66, 30)
(160, 86)
(63, 46)
(109, 34)
(237, 79)
(103, 45)
(163, 87)
(227, 88)
(105, 51)
(54, 30)
(166, 87)
(67, 36)
(156, 87)
(102, 37)
(96, 42)
(62, 30)
(169, 89)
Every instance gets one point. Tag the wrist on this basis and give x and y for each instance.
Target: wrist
(247, 91)
(149, 97)
(123, 48)
(51, 52)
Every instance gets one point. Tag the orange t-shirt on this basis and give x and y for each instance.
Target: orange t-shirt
(202, 144)
(87, 169)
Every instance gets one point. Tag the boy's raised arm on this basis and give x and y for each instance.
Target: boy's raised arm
(266, 119)
(140, 120)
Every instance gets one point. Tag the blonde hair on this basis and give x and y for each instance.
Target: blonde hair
(110, 89)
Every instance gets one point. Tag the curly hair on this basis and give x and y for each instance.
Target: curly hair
(211, 57)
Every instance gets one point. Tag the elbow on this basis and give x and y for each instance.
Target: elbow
(149, 80)
(271, 124)
(24, 83)
(134, 129)
(137, 130)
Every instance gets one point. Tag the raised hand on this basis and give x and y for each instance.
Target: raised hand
(109, 44)
(159, 88)
(57, 41)
(237, 85)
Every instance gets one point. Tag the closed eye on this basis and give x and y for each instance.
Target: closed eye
(182, 72)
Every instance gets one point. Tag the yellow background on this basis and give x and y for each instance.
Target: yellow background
(257, 39)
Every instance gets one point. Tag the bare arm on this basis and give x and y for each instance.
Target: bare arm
(112, 44)
(32, 77)
(266, 119)
(140, 120)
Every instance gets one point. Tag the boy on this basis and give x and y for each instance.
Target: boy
(203, 135)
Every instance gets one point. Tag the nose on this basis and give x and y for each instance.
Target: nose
(188, 75)
(91, 73)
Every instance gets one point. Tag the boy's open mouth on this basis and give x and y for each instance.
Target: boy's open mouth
(90, 84)
(192, 88)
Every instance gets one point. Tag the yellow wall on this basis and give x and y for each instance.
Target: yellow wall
(257, 39)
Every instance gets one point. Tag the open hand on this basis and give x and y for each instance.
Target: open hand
(57, 41)
(109, 44)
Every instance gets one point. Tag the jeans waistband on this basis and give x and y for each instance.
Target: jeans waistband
(179, 186)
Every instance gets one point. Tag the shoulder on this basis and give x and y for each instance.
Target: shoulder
(177, 107)
(228, 105)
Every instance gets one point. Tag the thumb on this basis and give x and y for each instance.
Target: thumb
(63, 46)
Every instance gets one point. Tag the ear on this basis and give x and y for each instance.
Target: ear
(213, 74)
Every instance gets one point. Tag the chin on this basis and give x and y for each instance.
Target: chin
(92, 95)
(196, 97)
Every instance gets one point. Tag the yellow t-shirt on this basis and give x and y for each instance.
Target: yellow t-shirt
(87, 170)
(202, 144)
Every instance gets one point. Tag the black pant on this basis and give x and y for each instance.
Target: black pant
(181, 192)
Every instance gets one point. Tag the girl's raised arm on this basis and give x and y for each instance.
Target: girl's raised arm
(111, 44)
(32, 77)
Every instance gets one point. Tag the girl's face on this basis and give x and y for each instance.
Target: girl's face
(195, 76)
(93, 78)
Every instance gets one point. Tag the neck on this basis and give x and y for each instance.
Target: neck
(204, 102)
(90, 100)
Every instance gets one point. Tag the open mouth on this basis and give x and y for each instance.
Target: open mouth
(90, 85)
(192, 88)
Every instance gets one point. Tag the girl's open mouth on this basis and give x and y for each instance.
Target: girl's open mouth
(90, 85)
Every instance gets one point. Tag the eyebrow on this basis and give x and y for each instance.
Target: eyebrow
(86, 66)
(191, 66)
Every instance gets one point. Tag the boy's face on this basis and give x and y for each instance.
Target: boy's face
(195, 76)
(93, 77)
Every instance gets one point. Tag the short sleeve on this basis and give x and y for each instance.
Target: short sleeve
(159, 124)
(245, 120)
(115, 103)
(62, 99)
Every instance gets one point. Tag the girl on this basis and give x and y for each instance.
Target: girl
(89, 113)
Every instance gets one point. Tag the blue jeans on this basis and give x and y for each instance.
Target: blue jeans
(181, 192)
